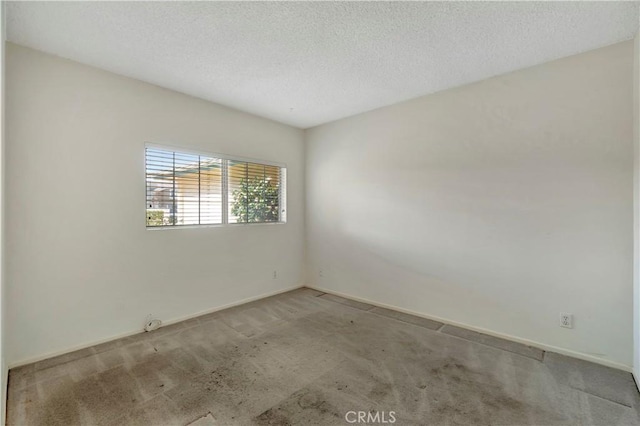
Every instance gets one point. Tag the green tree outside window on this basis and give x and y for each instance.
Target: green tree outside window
(256, 201)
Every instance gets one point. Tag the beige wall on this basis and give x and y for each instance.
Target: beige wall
(636, 209)
(3, 300)
(81, 267)
(496, 205)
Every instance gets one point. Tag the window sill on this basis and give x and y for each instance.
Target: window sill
(217, 225)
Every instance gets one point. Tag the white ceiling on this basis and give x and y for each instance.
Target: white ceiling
(307, 63)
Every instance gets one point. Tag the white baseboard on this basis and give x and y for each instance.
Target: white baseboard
(138, 331)
(527, 342)
(539, 345)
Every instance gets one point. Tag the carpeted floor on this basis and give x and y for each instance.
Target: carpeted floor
(305, 357)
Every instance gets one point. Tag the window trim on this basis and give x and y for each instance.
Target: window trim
(225, 207)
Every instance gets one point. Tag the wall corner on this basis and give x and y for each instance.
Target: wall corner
(636, 208)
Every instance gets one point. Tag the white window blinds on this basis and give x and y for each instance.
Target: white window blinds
(254, 192)
(192, 189)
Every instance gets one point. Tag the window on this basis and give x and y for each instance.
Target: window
(193, 189)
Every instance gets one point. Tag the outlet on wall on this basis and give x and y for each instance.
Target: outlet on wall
(566, 320)
(320, 273)
(275, 275)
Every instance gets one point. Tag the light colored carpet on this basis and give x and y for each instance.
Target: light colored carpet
(304, 357)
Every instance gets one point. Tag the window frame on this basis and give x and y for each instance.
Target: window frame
(282, 202)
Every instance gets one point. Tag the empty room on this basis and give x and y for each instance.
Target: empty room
(320, 213)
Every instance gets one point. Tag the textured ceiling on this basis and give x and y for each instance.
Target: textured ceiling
(307, 63)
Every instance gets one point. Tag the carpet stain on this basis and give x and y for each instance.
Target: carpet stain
(463, 396)
(306, 406)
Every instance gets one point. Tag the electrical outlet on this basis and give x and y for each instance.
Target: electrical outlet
(320, 273)
(566, 320)
(275, 275)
